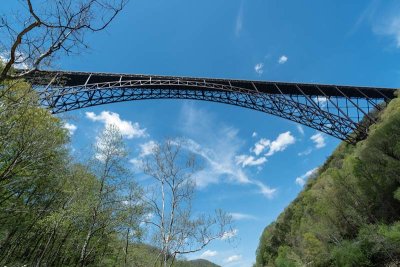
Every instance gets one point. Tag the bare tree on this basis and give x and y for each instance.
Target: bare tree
(43, 29)
(177, 230)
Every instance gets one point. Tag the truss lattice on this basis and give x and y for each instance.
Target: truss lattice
(340, 111)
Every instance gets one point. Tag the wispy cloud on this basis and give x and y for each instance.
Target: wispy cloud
(241, 216)
(254, 134)
(145, 150)
(128, 129)
(233, 258)
(267, 191)
(301, 180)
(208, 254)
(221, 166)
(300, 129)
(383, 17)
(259, 68)
(70, 127)
(319, 140)
(305, 152)
(219, 150)
(230, 234)
(247, 160)
(366, 14)
(239, 21)
(218, 164)
(283, 59)
(390, 28)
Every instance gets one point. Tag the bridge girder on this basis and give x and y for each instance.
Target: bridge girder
(339, 111)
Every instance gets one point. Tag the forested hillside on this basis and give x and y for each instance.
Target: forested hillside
(349, 212)
(59, 211)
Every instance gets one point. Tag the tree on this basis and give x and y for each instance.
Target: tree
(47, 28)
(177, 230)
(109, 166)
(132, 216)
(349, 214)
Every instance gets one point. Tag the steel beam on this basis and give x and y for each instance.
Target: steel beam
(332, 109)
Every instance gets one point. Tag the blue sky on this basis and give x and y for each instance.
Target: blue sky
(255, 164)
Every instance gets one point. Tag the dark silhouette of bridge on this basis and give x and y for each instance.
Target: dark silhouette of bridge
(344, 112)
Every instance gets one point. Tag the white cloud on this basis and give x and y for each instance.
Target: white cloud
(319, 140)
(300, 129)
(259, 68)
(127, 128)
(218, 164)
(320, 100)
(217, 149)
(70, 127)
(301, 180)
(241, 216)
(221, 159)
(247, 160)
(209, 254)
(221, 164)
(283, 59)
(230, 234)
(20, 60)
(147, 148)
(260, 146)
(281, 143)
(254, 134)
(233, 258)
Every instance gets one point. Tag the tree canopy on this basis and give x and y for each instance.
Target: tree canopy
(349, 212)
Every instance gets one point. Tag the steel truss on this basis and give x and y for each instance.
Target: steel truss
(340, 111)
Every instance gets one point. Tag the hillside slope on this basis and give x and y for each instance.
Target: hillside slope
(196, 263)
(143, 255)
(349, 212)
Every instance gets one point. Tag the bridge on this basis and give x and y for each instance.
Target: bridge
(344, 112)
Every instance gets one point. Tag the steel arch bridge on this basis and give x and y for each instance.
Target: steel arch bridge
(344, 112)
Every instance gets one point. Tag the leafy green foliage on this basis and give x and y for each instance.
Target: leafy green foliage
(349, 214)
(349, 254)
(58, 212)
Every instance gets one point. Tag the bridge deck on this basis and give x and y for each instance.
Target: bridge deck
(80, 78)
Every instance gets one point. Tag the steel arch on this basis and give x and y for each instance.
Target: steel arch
(340, 111)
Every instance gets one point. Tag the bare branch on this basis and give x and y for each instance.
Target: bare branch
(51, 28)
(177, 230)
